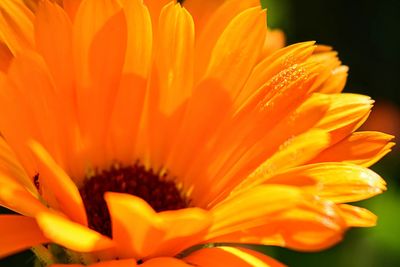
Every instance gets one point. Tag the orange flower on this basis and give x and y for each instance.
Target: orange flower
(136, 131)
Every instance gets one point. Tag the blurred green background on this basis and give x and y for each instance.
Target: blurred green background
(366, 34)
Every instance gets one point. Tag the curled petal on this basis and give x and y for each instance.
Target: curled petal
(164, 233)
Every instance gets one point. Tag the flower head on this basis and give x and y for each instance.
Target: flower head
(134, 133)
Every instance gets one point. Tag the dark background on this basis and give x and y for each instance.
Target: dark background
(367, 36)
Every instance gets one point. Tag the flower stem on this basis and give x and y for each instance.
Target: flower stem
(44, 255)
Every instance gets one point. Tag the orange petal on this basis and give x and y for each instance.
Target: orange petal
(185, 228)
(32, 4)
(171, 80)
(155, 7)
(71, 7)
(336, 82)
(338, 182)
(115, 263)
(19, 233)
(15, 197)
(5, 57)
(10, 166)
(125, 123)
(16, 27)
(237, 50)
(55, 180)
(28, 78)
(165, 262)
(106, 74)
(274, 41)
(155, 262)
(294, 152)
(202, 11)
(357, 217)
(300, 220)
(165, 233)
(98, 66)
(174, 57)
(71, 235)
(140, 38)
(197, 132)
(346, 113)
(90, 19)
(257, 131)
(53, 36)
(285, 58)
(135, 241)
(361, 148)
(230, 256)
(210, 27)
(333, 79)
(329, 60)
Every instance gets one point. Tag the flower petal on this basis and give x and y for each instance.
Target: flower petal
(70, 234)
(15, 197)
(334, 77)
(172, 231)
(174, 57)
(209, 30)
(357, 217)
(197, 131)
(71, 7)
(185, 228)
(202, 11)
(30, 99)
(155, 7)
(16, 27)
(295, 152)
(299, 220)
(140, 38)
(53, 36)
(56, 181)
(274, 41)
(338, 182)
(257, 132)
(230, 256)
(125, 123)
(90, 19)
(361, 148)
(114, 263)
(155, 262)
(135, 241)
(18, 233)
(346, 113)
(165, 262)
(10, 166)
(98, 65)
(171, 80)
(271, 66)
(237, 50)
(5, 57)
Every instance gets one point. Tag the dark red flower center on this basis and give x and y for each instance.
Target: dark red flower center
(156, 189)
